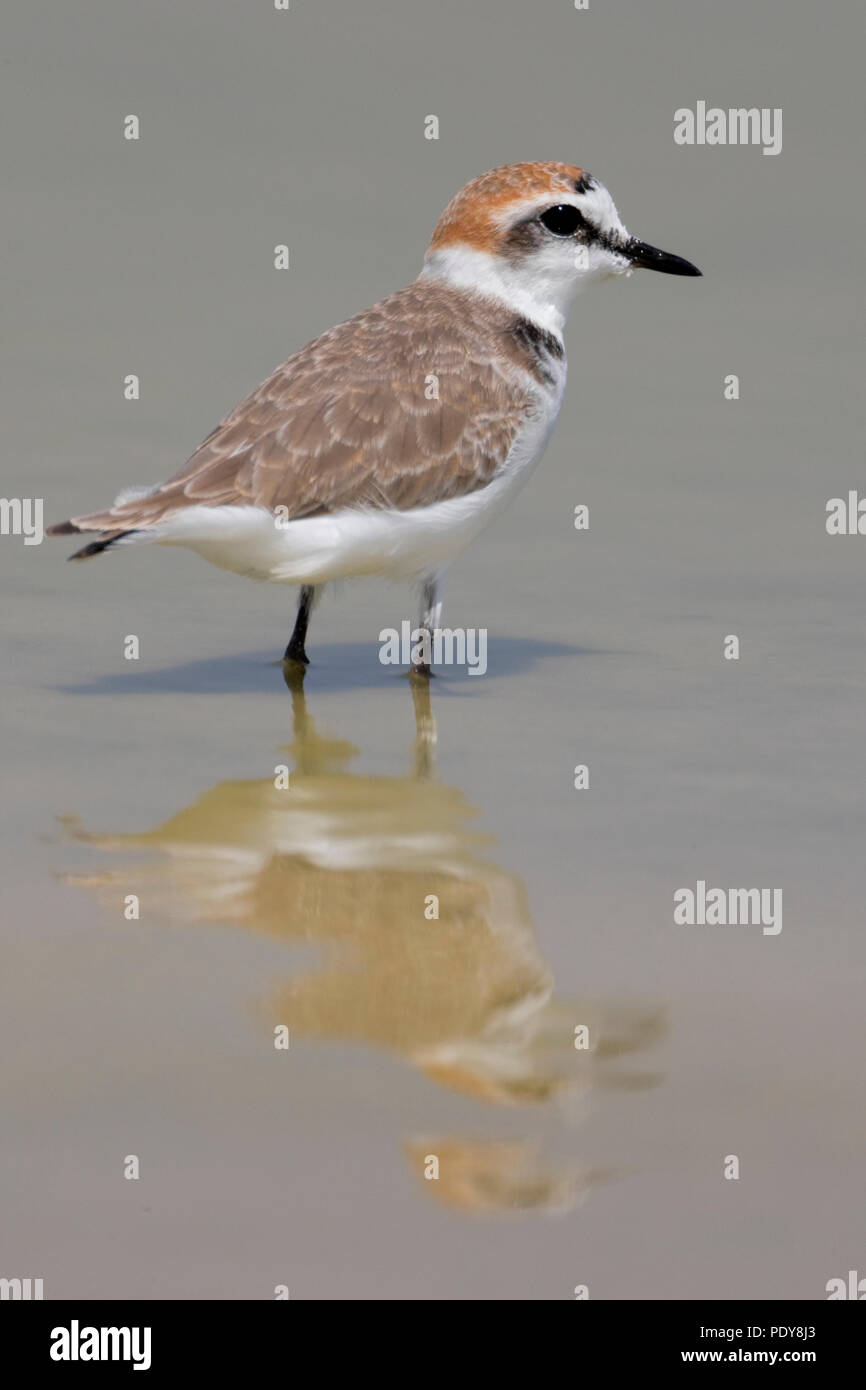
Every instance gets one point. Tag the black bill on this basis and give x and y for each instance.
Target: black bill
(652, 259)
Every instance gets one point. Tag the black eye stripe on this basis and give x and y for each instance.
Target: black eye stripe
(563, 220)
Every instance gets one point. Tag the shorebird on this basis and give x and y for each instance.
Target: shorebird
(388, 443)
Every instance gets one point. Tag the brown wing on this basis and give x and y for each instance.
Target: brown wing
(406, 403)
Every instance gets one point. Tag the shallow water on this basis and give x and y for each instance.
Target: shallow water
(410, 1035)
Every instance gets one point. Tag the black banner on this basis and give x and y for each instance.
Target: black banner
(162, 1339)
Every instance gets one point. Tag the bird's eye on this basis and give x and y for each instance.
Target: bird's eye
(562, 221)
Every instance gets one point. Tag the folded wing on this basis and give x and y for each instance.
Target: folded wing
(412, 401)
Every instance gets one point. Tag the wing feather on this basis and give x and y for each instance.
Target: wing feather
(353, 419)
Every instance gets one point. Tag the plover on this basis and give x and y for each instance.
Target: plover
(387, 444)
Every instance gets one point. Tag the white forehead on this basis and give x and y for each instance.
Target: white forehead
(598, 207)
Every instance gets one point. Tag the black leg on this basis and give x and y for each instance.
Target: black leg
(295, 650)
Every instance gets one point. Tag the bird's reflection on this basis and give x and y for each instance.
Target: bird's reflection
(427, 947)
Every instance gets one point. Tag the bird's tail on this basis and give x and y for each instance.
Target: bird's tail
(78, 528)
(109, 525)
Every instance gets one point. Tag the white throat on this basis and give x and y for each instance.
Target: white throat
(522, 291)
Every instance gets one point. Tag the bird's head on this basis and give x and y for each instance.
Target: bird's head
(533, 234)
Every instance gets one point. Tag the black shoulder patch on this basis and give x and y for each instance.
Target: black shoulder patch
(538, 345)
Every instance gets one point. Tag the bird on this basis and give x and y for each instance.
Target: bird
(388, 443)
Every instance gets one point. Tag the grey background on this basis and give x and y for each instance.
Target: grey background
(707, 517)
